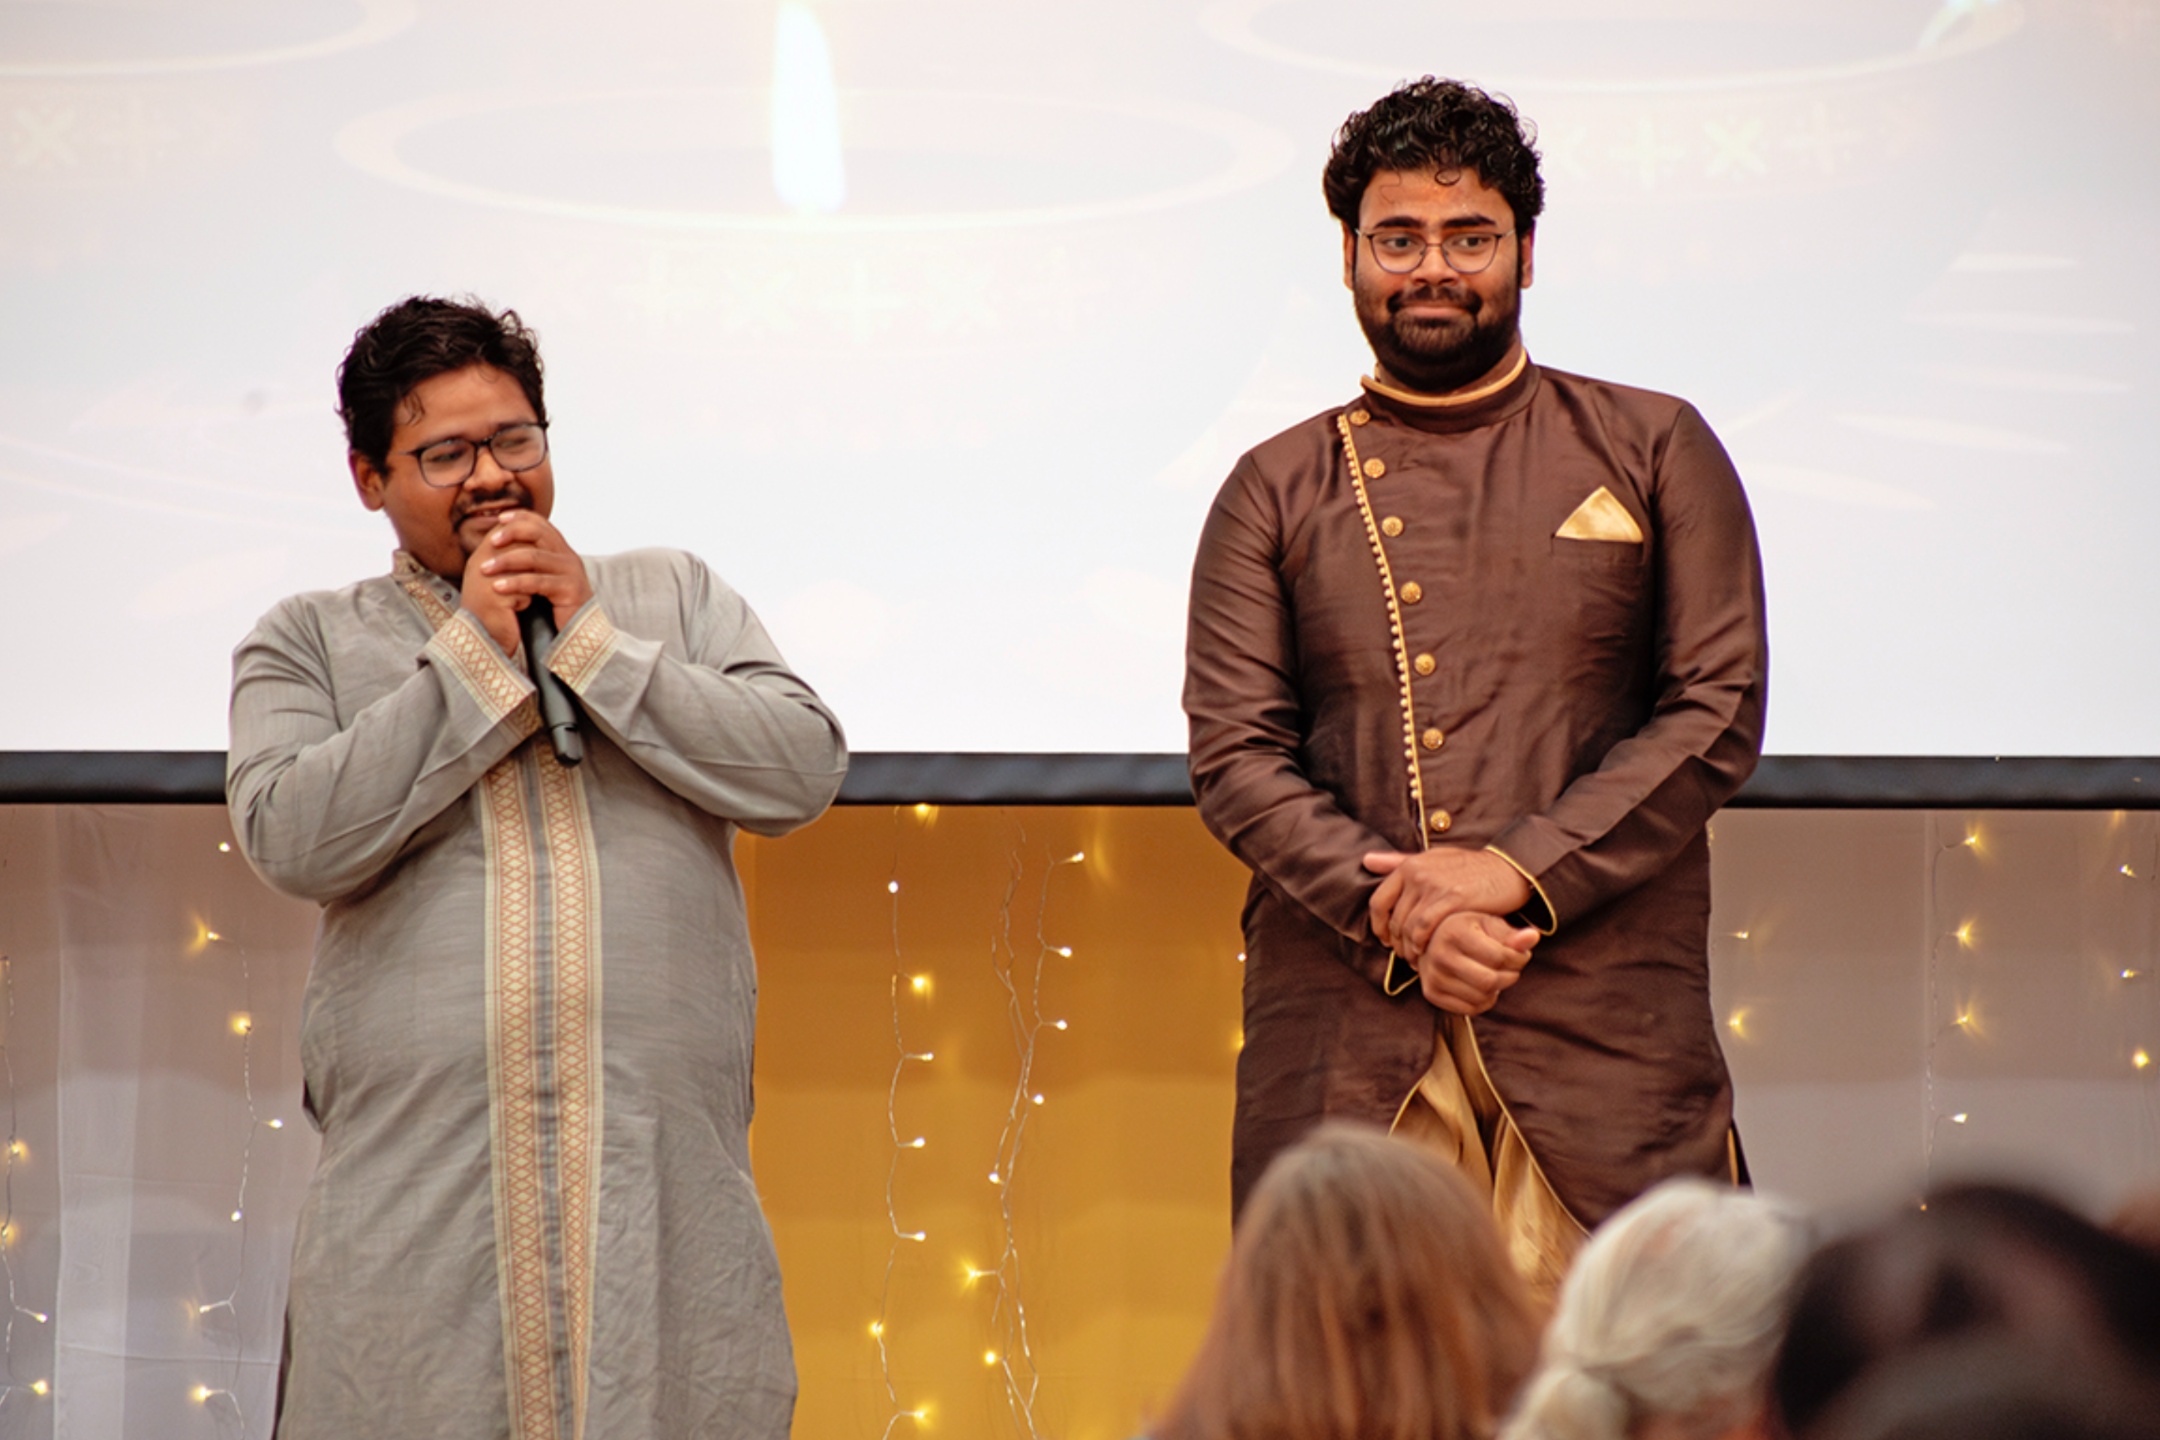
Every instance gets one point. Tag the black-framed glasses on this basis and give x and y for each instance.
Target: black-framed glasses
(448, 463)
(1466, 252)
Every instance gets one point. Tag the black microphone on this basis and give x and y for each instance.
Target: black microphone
(558, 709)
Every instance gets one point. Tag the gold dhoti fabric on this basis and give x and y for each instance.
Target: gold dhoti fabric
(1454, 1112)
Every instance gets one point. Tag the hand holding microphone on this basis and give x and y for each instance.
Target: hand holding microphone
(525, 557)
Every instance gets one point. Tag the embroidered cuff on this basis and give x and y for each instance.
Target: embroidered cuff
(582, 649)
(1538, 913)
(461, 647)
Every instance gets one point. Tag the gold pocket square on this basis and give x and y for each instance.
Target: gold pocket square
(1601, 518)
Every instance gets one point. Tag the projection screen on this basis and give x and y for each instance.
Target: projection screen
(934, 326)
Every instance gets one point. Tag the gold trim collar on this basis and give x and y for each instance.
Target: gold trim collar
(1449, 402)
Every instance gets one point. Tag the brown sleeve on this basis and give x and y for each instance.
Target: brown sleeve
(1244, 708)
(1623, 822)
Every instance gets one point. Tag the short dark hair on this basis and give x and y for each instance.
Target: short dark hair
(1433, 125)
(417, 339)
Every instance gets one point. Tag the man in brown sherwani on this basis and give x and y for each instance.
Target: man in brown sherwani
(1473, 659)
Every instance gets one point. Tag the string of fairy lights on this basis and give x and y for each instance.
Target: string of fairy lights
(222, 1312)
(11, 1383)
(1020, 968)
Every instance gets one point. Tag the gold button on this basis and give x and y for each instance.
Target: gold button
(1432, 739)
(1391, 527)
(1425, 664)
(1359, 417)
(1412, 592)
(1441, 822)
(1375, 468)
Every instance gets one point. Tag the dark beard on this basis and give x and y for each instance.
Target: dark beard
(1434, 357)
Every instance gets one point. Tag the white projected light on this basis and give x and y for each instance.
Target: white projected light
(807, 168)
(935, 327)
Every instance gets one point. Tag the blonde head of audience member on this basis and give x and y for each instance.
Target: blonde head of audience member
(1367, 1297)
(1668, 1324)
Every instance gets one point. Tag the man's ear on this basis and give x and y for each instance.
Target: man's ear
(1349, 258)
(1528, 242)
(367, 480)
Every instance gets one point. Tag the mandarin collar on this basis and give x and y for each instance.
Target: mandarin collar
(403, 566)
(1436, 416)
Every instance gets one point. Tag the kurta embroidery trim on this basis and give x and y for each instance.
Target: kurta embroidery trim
(1390, 982)
(582, 649)
(474, 660)
(544, 1079)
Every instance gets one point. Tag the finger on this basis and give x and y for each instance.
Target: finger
(1383, 862)
(1382, 908)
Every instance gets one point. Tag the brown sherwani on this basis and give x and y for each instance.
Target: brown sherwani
(1433, 650)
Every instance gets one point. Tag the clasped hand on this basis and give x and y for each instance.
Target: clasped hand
(522, 556)
(1440, 910)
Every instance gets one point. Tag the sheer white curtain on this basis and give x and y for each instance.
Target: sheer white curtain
(153, 1084)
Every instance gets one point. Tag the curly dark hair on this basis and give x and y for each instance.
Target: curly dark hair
(1432, 125)
(417, 339)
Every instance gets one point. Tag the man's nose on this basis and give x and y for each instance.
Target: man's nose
(1433, 263)
(487, 471)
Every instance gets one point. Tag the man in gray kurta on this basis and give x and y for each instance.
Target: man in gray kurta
(527, 1030)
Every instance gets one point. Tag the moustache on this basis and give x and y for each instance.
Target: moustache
(1462, 299)
(516, 495)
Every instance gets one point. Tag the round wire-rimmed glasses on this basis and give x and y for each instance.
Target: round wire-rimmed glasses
(1466, 252)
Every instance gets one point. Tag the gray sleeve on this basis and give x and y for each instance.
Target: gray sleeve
(320, 808)
(731, 729)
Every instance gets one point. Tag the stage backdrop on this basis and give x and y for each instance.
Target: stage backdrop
(1902, 996)
(934, 326)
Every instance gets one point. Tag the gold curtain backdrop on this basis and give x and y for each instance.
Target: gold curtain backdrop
(1902, 994)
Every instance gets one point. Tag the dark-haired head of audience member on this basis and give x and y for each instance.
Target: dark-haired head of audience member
(1994, 1388)
(1668, 1321)
(1367, 1297)
(1975, 1263)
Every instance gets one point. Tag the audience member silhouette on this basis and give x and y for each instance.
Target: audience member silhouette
(1667, 1325)
(1367, 1297)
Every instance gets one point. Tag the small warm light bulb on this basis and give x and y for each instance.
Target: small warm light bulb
(1964, 934)
(7, 1233)
(920, 1415)
(1037, 1098)
(236, 1216)
(202, 1394)
(224, 847)
(242, 1022)
(2129, 872)
(1077, 857)
(1739, 934)
(19, 1150)
(274, 1123)
(1059, 1024)
(40, 1316)
(1972, 838)
(917, 1143)
(2141, 1059)
(1959, 1118)
(974, 1274)
(40, 1387)
(1737, 1022)
(1241, 957)
(995, 1179)
(1965, 1019)
(920, 984)
(212, 935)
(1066, 951)
(927, 1056)
(877, 1328)
(892, 887)
(2129, 974)
(990, 1357)
(925, 811)
(918, 1236)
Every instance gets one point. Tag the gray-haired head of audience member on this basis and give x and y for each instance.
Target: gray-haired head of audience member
(1668, 1322)
(1975, 1262)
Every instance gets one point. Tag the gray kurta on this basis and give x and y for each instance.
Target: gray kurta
(533, 1214)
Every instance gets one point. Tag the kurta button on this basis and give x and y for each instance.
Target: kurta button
(1412, 592)
(1424, 664)
(1375, 468)
(1432, 739)
(1441, 822)
(1391, 527)
(1359, 417)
